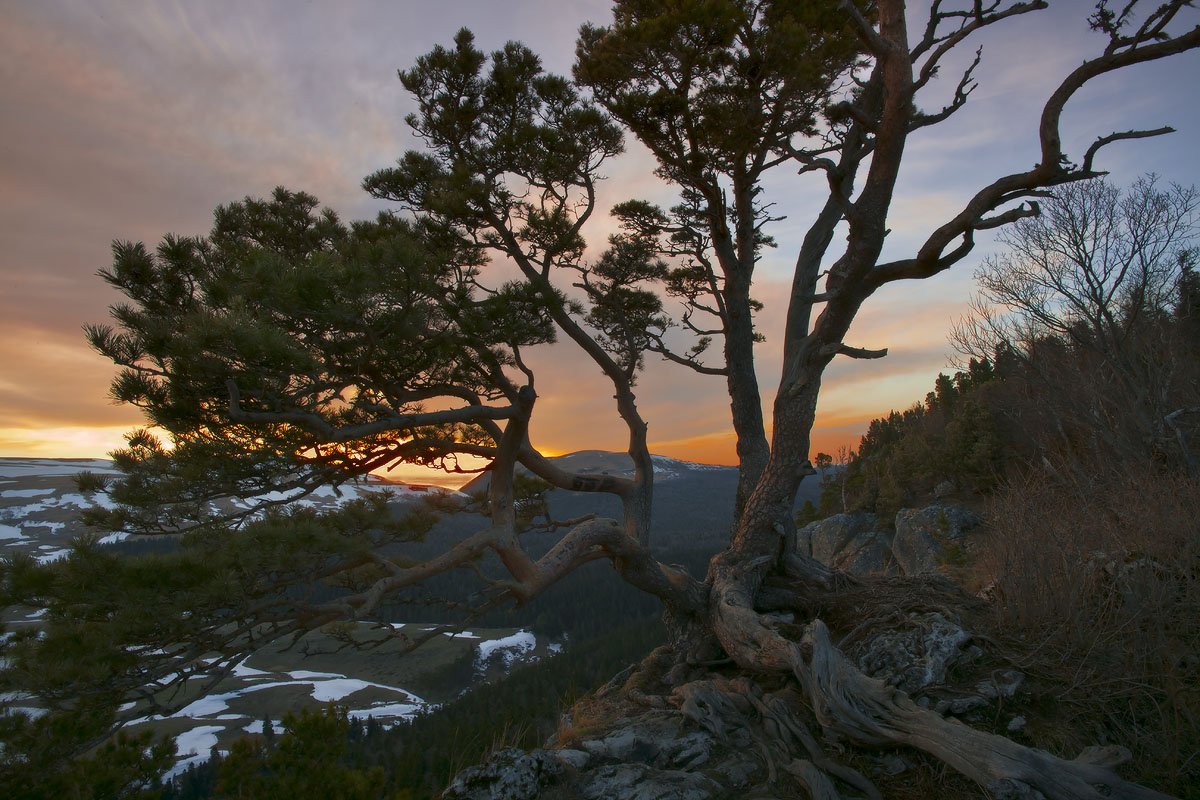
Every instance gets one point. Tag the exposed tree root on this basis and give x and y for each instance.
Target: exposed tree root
(738, 709)
(866, 711)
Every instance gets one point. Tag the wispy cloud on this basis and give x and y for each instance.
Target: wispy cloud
(132, 118)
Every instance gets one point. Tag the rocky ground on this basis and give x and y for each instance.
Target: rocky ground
(720, 734)
(666, 732)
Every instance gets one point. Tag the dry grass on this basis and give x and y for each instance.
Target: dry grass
(1097, 593)
(591, 717)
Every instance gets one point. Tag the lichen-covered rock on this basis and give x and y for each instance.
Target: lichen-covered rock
(928, 538)
(657, 738)
(1001, 685)
(917, 655)
(854, 543)
(736, 770)
(867, 554)
(890, 764)
(656, 755)
(576, 759)
(510, 774)
(641, 782)
(827, 537)
(958, 706)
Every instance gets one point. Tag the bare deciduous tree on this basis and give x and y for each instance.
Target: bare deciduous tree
(1083, 296)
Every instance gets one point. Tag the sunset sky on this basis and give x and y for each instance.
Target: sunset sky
(122, 119)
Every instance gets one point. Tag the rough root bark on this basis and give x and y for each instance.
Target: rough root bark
(868, 711)
(773, 723)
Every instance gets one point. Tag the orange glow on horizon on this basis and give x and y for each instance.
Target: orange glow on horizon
(830, 433)
(75, 441)
(710, 448)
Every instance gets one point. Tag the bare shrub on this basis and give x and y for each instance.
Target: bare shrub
(1097, 591)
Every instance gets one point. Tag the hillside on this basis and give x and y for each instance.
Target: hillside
(693, 503)
(39, 516)
(40, 506)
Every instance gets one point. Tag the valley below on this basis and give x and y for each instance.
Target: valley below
(363, 667)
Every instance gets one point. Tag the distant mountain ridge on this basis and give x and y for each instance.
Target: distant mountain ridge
(40, 504)
(604, 462)
(693, 503)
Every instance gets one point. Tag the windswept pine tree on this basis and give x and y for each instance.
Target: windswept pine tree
(287, 349)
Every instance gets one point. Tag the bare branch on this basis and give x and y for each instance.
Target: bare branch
(1135, 50)
(1010, 216)
(1053, 169)
(854, 352)
(961, 92)
(658, 346)
(866, 31)
(318, 425)
(1116, 137)
(971, 21)
(549, 471)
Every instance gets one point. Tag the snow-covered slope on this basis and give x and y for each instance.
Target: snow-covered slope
(40, 504)
(39, 513)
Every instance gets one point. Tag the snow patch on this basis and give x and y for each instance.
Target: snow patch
(396, 711)
(103, 500)
(53, 555)
(324, 687)
(72, 500)
(674, 463)
(330, 687)
(244, 671)
(25, 492)
(26, 467)
(33, 712)
(193, 747)
(34, 523)
(459, 635)
(508, 649)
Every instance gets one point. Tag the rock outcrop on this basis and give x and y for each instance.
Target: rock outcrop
(718, 735)
(857, 543)
(922, 541)
(917, 655)
(930, 537)
(657, 755)
(510, 774)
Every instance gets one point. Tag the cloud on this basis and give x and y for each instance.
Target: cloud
(131, 118)
(74, 396)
